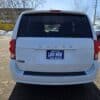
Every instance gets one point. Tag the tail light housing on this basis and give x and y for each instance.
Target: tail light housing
(12, 49)
(96, 49)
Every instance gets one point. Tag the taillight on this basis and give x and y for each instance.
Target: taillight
(12, 49)
(96, 49)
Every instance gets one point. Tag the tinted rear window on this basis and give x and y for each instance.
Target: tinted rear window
(54, 25)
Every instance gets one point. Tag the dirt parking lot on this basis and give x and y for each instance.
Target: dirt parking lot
(11, 91)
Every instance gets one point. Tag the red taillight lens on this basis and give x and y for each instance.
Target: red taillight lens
(96, 49)
(12, 49)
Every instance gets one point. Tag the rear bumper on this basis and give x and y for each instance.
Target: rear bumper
(19, 77)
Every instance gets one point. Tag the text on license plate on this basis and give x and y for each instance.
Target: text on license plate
(55, 54)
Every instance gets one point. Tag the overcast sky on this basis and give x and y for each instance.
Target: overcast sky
(57, 4)
(69, 5)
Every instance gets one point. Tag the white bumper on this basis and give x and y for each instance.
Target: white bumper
(19, 77)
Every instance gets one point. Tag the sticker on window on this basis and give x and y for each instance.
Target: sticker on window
(52, 28)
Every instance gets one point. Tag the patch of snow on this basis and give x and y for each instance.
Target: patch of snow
(2, 32)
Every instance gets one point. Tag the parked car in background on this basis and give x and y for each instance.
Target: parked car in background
(97, 31)
(53, 48)
(9, 33)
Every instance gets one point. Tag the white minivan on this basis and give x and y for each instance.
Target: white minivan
(53, 48)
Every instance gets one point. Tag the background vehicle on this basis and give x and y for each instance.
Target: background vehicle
(97, 30)
(53, 48)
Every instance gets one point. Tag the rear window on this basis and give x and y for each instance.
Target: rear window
(54, 25)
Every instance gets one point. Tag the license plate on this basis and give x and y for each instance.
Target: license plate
(55, 54)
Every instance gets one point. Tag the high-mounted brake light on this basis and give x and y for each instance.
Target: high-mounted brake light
(55, 11)
(12, 49)
(96, 49)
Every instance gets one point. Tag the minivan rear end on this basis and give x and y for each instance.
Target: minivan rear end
(53, 48)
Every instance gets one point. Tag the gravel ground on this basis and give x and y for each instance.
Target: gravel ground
(10, 90)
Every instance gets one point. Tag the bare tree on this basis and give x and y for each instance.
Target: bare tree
(37, 3)
(33, 4)
(24, 4)
(21, 3)
(2, 4)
